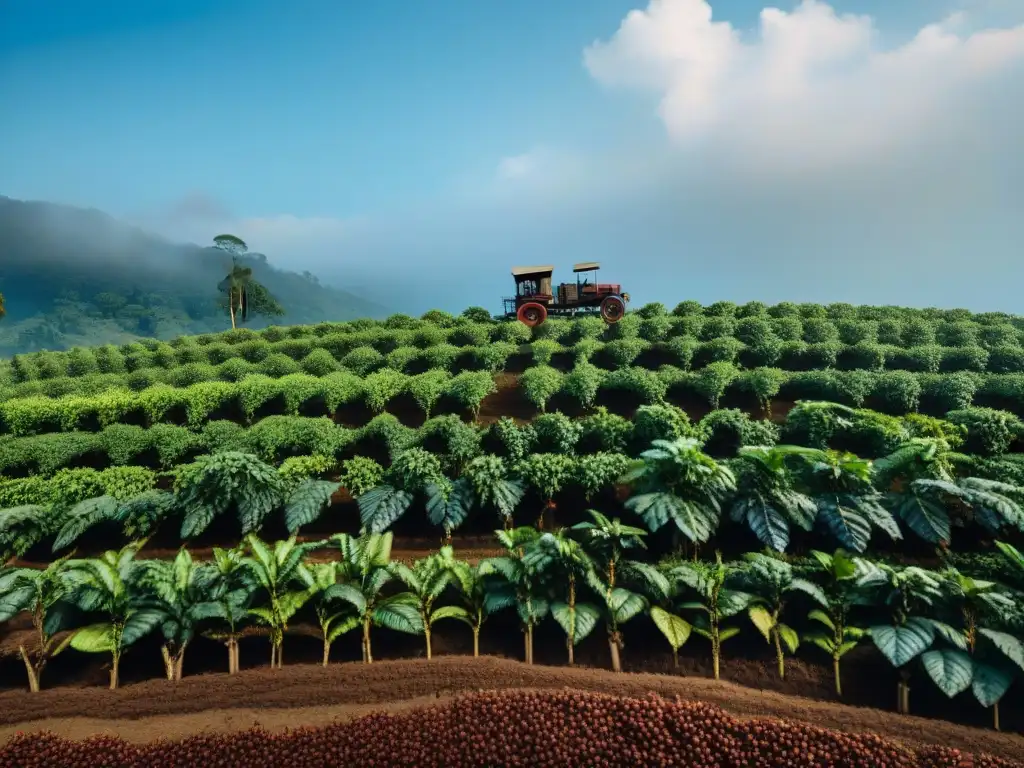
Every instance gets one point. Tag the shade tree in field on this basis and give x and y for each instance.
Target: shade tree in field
(243, 294)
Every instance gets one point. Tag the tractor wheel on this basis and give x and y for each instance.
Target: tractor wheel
(612, 309)
(532, 314)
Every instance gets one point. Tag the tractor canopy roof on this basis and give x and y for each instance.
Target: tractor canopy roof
(525, 272)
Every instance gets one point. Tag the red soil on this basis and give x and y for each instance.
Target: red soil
(309, 695)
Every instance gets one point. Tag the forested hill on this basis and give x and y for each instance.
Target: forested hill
(73, 277)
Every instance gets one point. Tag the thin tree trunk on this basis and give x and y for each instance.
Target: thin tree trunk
(426, 637)
(33, 673)
(571, 635)
(231, 306)
(995, 715)
(115, 671)
(779, 655)
(280, 653)
(613, 646)
(675, 658)
(529, 644)
(835, 670)
(273, 655)
(168, 662)
(327, 651)
(178, 664)
(232, 645)
(367, 651)
(476, 641)
(716, 653)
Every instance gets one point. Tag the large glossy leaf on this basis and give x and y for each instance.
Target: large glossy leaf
(764, 519)
(448, 507)
(349, 593)
(306, 503)
(1011, 647)
(731, 602)
(990, 683)
(951, 635)
(197, 519)
(576, 621)
(850, 526)
(675, 628)
(341, 624)
(380, 507)
(399, 614)
(139, 624)
(645, 576)
(696, 521)
(84, 516)
(761, 618)
(728, 632)
(15, 600)
(452, 612)
(94, 638)
(926, 516)
(902, 643)
(951, 670)
(624, 605)
(811, 589)
(822, 617)
(879, 517)
(789, 637)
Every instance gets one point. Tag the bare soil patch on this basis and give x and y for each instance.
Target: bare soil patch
(286, 697)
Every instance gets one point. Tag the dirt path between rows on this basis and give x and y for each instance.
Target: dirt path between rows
(309, 694)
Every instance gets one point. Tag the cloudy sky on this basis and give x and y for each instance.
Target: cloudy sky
(863, 151)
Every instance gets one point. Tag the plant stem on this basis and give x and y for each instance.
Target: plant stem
(779, 655)
(613, 646)
(367, 652)
(835, 670)
(115, 671)
(476, 641)
(168, 662)
(33, 676)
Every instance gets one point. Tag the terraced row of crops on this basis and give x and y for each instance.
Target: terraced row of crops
(792, 338)
(375, 428)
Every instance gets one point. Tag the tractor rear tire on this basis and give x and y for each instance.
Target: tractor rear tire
(532, 314)
(612, 309)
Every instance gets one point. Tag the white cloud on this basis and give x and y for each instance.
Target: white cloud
(518, 166)
(804, 161)
(813, 88)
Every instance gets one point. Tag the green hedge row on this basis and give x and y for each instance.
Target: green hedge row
(723, 432)
(893, 392)
(684, 352)
(796, 340)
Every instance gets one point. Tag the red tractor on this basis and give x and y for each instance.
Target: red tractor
(535, 300)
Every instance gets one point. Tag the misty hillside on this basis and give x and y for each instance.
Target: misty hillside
(71, 277)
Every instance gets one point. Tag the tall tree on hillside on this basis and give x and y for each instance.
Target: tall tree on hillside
(3, 307)
(244, 295)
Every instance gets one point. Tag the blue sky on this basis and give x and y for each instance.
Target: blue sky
(403, 139)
